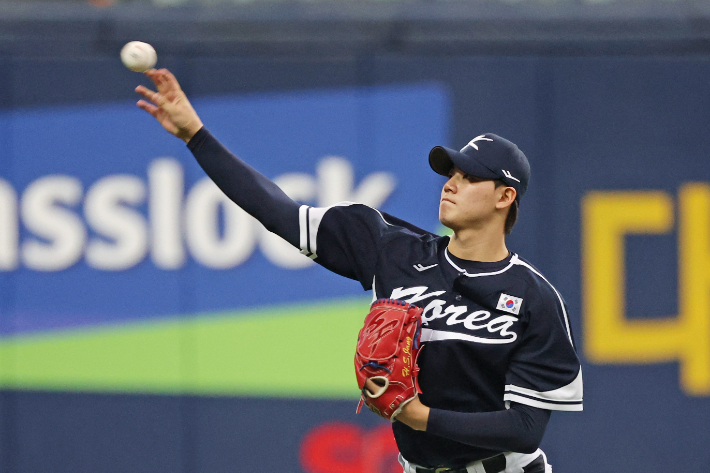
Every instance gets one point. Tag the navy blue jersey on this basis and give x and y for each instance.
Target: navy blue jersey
(493, 333)
(496, 334)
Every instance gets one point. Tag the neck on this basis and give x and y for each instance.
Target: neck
(478, 244)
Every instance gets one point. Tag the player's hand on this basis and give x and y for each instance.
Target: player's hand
(169, 105)
(414, 414)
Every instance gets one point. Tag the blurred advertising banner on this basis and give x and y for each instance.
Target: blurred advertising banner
(348, 448)
(109, 227)
(612, 337)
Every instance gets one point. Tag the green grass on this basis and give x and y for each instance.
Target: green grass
(299, 351)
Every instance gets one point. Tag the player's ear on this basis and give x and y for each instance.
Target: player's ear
(507, 197)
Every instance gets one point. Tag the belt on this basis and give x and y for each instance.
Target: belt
(494, 464)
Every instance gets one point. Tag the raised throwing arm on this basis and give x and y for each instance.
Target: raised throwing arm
(249, 189)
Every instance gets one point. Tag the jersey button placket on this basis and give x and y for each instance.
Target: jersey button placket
(457, 282)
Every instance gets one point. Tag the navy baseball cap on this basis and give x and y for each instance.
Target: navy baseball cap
(487, 156)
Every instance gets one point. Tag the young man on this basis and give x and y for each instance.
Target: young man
(498, 353)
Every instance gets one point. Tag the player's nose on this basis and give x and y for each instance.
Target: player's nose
(450, 185)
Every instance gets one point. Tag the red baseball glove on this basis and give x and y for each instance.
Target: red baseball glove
(387, 349)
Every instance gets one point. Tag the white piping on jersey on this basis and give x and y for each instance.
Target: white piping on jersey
(380, 214)
(542, 404)
(374, 291)
(571, 393)
(559, 297)
(309, 219)
(513, 261)
(516, 261)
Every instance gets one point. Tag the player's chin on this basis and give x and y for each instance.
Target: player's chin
(446, 206)
(446, 218)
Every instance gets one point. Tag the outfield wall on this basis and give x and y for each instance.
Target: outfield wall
(147, 325)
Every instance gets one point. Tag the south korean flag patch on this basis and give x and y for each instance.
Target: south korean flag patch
(510, 304)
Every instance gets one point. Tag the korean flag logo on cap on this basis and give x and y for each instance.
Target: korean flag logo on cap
(510, 304)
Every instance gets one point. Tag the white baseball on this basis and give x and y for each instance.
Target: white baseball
(138, 56)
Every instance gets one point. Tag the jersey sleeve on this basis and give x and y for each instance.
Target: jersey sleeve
(347, 238)
(245, 186)
(545, 371)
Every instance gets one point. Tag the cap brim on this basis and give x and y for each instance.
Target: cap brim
(442, 159)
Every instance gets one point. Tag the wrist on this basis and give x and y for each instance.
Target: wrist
(415, 415)
(191, 131)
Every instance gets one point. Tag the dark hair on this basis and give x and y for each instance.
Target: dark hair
(512, 216)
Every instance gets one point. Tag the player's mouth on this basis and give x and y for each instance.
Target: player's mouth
(447, 200)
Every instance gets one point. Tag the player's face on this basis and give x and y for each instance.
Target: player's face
(469, 202)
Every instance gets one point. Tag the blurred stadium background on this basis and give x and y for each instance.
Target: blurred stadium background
(148, 326)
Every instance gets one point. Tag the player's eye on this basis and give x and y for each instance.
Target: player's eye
(472, 178)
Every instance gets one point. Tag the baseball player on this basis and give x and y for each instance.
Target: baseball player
(498, 353)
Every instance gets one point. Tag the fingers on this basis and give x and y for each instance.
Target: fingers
(146, 93)
(148, 107)
(156, 76)
(155, 97)
(170, 79)
(165, 82)
(169, 105)
(160, 81)
(163, 79)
